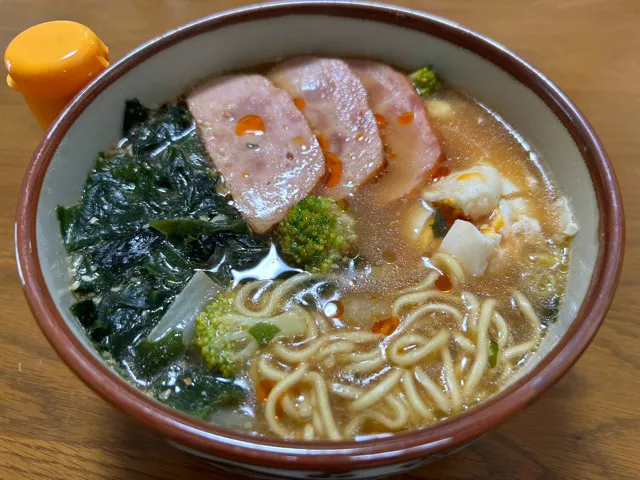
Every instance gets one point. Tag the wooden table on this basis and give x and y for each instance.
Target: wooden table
(587, 427)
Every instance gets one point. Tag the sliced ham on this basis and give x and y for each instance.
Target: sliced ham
(411, 147)
(334, 102)
(261, 143)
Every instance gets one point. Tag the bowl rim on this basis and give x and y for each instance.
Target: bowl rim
(331, 457)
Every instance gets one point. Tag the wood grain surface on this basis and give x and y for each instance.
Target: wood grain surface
(587, 427)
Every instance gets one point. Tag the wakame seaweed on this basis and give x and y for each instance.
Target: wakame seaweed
(195, 391)
(551, 310)
(439, 227)
(152, 357)
(148, 218)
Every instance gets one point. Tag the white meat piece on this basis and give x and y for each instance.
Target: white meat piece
(565, 220)
(510, 210)
(518, 206)
(506, 214)
(532, 182)
(525, 227)
(515, 222)
(509, 188)
(475, 191)
(470, 247)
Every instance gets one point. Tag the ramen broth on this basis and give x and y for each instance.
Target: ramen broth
(406, 328)
(470, 134)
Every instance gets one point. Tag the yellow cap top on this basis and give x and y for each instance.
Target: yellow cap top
(49, 63)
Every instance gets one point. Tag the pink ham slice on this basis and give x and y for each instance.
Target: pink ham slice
(411, 146)
(334, 102)
(267, 171)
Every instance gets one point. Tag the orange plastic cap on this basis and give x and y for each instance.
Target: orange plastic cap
(49, 63)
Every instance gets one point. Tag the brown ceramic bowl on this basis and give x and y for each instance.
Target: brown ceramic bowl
(537, 109)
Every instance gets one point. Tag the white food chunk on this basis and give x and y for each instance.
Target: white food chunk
(509, 188)
(510, 211)
(567, 225)
(417, 218)
(518, 205)
(470, 247)
(439, 109)
(516, 224)
(416, 225)
(506, 214)
(475, 191)
(525, 227)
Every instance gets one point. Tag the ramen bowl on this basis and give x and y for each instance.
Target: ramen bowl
(547, 120)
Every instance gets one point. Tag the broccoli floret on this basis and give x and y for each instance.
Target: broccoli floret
(316, 234)
(211, 334)
(226, 338)
(426, 81)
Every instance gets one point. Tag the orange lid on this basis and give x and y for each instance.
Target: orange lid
(49, 63)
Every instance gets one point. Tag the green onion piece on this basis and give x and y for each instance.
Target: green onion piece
(263, 332)
(494, 348)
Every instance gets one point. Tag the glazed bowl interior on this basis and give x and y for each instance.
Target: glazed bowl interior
(178, 67)
(162, 70)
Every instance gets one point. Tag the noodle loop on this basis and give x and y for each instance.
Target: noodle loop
(389, 382)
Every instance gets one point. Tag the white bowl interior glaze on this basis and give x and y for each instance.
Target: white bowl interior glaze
(172, 70)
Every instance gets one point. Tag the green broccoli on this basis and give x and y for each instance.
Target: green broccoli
(426, 81)
(316, 234)
(226, 338)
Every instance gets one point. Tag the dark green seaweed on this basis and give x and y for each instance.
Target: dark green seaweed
(439, 227)
(149, 217)
(134, 114)
(196, 392)
(191, 228)
(550, 311)
(152, 357)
